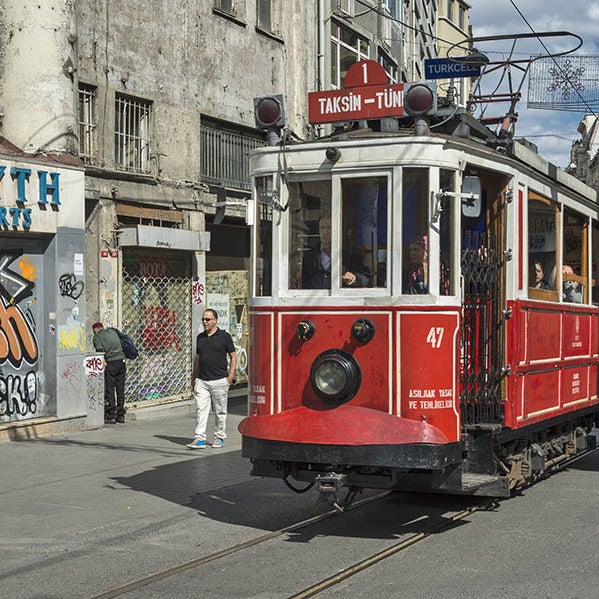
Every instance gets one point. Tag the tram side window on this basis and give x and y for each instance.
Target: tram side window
(264, 238)
(542, 244)
(414, 230)
(364, 232)
(310, 235)
(574, 265)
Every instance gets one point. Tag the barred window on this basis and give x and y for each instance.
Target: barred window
(87, 122)
(224, 157)
(132, 133)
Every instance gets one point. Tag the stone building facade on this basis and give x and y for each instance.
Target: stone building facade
(155, 101)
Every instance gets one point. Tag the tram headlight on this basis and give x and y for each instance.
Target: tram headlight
(335, 376)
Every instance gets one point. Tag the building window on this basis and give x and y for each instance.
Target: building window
(87, 123)
(450, 10)
(132, 134)
(347, 47)
(345, 7)
(389, 66)
(264, 15)
(462, 17)
(224, 158)
(225, 6)
(394, 8)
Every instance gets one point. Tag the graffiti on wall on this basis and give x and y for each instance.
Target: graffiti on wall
(72, 333)
(197, 291)
(160, 328)
(94, 367)
(69, 286)
(19, 348)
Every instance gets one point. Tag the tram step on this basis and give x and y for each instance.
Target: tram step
(485, 485)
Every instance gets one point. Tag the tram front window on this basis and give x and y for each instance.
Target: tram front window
(415, 228)
(310, 235)
(364, 232)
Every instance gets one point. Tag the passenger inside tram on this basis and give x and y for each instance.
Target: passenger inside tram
(316, 262)
(416, 278)
(571, 290)
(538, 276)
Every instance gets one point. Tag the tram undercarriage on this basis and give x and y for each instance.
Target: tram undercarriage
(491, 462)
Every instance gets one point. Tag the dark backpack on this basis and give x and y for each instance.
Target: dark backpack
(127, 344)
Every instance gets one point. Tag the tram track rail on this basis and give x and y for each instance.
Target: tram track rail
(340, 576)
(200, 561)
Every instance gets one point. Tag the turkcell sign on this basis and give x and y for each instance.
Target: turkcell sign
(356, 103)
(446, 68)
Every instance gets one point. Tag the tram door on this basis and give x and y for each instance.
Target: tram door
(481, 339)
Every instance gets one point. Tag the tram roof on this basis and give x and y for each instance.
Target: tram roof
(466, 133)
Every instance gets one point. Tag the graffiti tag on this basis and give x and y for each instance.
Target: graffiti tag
(72, 373)
(70, 287)
(18, 395)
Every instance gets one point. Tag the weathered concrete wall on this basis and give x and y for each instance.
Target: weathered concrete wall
(189, 61)
(38, 95)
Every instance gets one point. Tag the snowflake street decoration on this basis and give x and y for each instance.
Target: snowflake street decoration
(565, 78)
(561, 83)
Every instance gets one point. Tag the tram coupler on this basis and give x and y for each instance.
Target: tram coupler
(329, 486)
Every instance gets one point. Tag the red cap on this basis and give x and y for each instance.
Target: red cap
(97, 325)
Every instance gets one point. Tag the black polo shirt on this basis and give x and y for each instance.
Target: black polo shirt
(213, 351)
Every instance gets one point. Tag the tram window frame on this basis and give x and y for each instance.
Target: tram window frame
(537, 240)
(263, 243)
(447, 249)
(415, 231)
(345, 269)
(575, 232)
(304, 230)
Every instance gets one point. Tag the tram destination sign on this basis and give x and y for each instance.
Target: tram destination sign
(448, 68)
(356, 103)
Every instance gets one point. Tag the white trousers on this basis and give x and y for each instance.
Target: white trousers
(215, 393)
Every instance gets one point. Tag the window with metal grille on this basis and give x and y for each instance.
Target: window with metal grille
(132, 133)
(87, 122)
(224, 157)
(347, 47)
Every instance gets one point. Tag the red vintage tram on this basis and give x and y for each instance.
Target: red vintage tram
(424, 310)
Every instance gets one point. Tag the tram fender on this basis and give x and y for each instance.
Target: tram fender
(340, 425)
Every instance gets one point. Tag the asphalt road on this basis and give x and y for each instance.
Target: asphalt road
(83, 513)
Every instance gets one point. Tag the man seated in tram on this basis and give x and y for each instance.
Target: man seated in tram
(572, 290)
(316, 262)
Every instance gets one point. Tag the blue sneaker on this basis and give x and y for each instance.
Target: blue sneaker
(218, 443)
(197, 444)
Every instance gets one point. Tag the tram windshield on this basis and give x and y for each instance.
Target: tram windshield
(327, 253)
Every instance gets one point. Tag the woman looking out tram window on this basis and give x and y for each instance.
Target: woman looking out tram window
(538, 276)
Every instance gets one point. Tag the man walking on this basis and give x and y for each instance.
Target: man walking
(108, 341)
(211, 379)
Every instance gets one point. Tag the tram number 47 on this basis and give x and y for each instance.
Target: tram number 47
(435, 336)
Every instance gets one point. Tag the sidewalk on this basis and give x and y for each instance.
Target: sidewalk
(74, 503)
